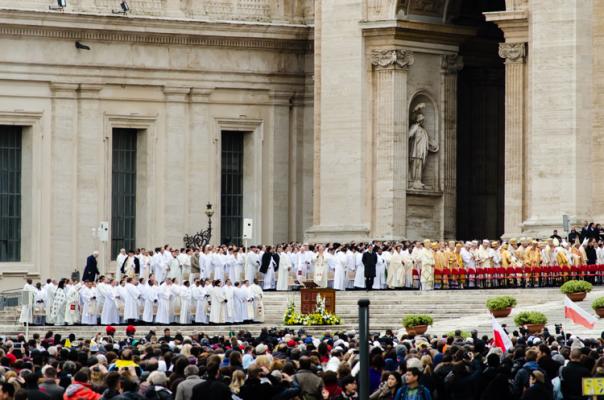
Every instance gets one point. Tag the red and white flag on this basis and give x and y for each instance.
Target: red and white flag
(500, 338)
(577, 314)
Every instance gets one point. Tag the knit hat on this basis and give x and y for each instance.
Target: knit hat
(130, 330)
(110, 330)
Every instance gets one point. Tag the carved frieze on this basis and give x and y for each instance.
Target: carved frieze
(391, 58)
(512, 52)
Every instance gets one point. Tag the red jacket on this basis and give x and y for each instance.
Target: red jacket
(80, 391)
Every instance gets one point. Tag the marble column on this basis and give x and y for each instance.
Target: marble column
(390, 122)
(514, 55)
(451, 64)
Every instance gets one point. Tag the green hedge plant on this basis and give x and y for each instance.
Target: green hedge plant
(576, 287)
(598, 303)
(530, 317)
(417, 320)
(501, 303)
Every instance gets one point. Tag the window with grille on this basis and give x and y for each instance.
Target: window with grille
(231, 194)
(10, 193)
(123, 190)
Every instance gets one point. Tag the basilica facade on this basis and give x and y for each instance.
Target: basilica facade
(317, 120)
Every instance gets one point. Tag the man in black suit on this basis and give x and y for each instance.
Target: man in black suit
(369, 261)
(91, 270)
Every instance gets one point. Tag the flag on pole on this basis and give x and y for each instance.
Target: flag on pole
(500, 338)
(577, 314)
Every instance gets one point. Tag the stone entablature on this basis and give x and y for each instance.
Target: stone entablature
(266, 11)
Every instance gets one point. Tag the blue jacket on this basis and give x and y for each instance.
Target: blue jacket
(424, 393)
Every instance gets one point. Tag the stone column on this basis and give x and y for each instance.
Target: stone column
(176, 160)
(451, 65)
(514, 55)
(64, 146)
(391, 122)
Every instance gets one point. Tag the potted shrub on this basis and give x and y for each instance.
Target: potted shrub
(417, 324)
(501, 306)
(576, 290)
(534, 321)
(598, 306)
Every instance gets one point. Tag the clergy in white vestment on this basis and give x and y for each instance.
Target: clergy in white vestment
(109, 315)
(132, 294)
(285, 266)
(39, 305)
(199, 293)
(407, 270)
(158, 265)
(269, 262)
(394, 268)
(149, 292)
(165, 294)
(239, 264)
(359, 272)
(217, 261)
(380, 271)
(100, 295)
(252, 263)
(229, 306)
(88, 297)
(185, 262)
(229, 264)
(175, 303)
(57, 314)
(321, 267)
(49, 294)
(339, 276)
(72, 308)
(186, 302)
(217, 303)
(248, 306)
(258, 302)
(28, 301)
(119, 262)
(175, 268)
(204, 266)
(331, 261)
(240, 302)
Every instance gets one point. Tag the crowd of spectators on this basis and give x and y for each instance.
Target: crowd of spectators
(289, 364)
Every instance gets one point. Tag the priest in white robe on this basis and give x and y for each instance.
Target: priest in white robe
(252, 263)
(248, 306)
(49, 294)
(131, 302)
(217, 303)
(321, 267)
(165, 295)
(199, 298)
(258, 302)
(28, 301)
(239, 303)
(359, 274)
(149, 293)
(339, 276)
(57, 314)
(72, 309)
(380, 271)
(229, 306)
(285, 266)
(186, 302)
(119, 263)
(158, 266)
(110, 315)
(88, 297)
(39, 305)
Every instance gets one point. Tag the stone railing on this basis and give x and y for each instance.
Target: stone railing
(279, 11)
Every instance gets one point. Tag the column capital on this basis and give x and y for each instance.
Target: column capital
(64, 89)
(200, 95)
(392, 59)
(176, 94)
(451, 63)
(513, 53)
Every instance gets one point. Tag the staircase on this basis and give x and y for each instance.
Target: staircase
(462, 309)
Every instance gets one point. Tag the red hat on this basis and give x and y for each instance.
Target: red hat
(291, 343)
(110, 330)
(131, 329)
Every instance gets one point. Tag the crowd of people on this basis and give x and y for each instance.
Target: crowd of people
(287, 364)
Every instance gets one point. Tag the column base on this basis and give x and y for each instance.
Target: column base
(337, 233)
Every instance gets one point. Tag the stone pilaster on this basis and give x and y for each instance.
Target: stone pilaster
(390, 122)
(451, 64)
(514, 55)
(64, 144)
(175, 165)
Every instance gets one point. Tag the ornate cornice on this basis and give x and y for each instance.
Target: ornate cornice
(391, 58)
(513, 53)
(297, 46)
(451, 63)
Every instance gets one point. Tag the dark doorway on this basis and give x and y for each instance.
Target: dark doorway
(231, 189)
(123, 190)
(481, 127)
(10, 193)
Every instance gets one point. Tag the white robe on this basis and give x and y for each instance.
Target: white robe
(131, 302)
(185, 264)
(49, 290)
(229, 307)
(110, 314)
(217, 265)
(258, 303)
(72, 309)
(88, 296)
(175, 270)
(217, 305)
(380, 273)
(252, 263)
(239, 302)
(285, 265)
(119, 261)
(204, 266)
(28, 302)
(163, 309)
(158, 267)
(39, 307)
(201, 304)
(238, 269)
(150, 298)
(359, 275)
(57, 315)
(186, 302)
(339, 277)
(269, 276)
(321, 270)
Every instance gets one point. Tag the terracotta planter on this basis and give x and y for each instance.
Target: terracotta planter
(501, 313)
(578, 296)
(600, 312)
(417, 330)
(534, 328)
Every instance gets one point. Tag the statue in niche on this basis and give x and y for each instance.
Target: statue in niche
(420, 144)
